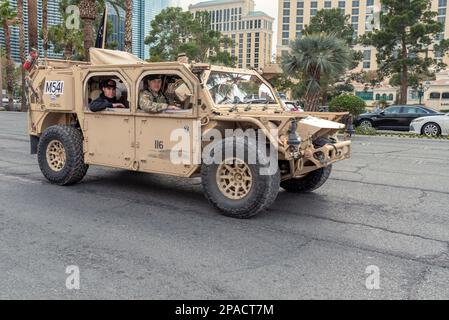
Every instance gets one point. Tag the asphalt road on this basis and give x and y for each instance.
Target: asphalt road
(136, 236)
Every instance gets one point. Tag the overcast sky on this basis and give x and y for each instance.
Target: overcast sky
(268, 6)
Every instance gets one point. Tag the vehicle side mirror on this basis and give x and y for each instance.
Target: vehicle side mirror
(382, 113)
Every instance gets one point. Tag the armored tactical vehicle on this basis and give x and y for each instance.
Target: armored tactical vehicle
(231, 129)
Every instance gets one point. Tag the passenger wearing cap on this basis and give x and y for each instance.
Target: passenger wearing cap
(153, 100)
(108, 98)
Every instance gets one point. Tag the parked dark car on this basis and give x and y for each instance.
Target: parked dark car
(394, 117)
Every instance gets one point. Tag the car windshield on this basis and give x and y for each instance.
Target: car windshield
(228, 88)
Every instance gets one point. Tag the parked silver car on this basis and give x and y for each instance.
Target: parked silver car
(431, 126)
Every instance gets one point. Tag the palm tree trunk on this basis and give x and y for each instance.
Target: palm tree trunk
(68, 50)
(23, 106)
(312, 101)
(32, 24)
(44, 28)
(9, 67)
(404, 74)
(128, 26)
(88, 13)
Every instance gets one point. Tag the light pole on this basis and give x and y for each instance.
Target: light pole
(422, 88)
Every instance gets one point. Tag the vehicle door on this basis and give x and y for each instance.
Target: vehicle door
(411, 113)
(109, 134)
(169, 142)
(389, 118)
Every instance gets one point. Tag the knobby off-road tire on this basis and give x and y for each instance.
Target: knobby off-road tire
(257, 192)
(60, 155)
(309, 183)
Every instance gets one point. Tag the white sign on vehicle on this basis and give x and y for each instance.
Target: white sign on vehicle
(54, 87)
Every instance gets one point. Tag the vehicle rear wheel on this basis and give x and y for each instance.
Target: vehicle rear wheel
(60, 155)
(309, 183)
(431, 129)
(236, 187)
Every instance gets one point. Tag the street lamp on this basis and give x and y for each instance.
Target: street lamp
(421, 89)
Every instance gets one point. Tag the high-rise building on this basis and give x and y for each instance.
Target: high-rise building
(144, 11)
(250, 30)
(117, 33)
(53, 17)
(294, 15)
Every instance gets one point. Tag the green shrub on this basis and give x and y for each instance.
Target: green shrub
(366, 131)
(348, 103)
(445, 111)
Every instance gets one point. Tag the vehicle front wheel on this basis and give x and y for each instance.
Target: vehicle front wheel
(60, 155)
(431, 129)
(366, 124)
(309, 183)
(237, 187)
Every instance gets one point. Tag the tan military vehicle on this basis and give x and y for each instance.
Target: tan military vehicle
(229, 128)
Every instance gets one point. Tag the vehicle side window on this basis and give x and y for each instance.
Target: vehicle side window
(107, 93)
(393, 110)
(421, 111)
(164, 93)
(410, 110)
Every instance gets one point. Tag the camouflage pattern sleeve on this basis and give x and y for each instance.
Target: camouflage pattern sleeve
(148, 104)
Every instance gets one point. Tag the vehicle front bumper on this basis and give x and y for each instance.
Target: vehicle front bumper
(415, 128)
(323, 157)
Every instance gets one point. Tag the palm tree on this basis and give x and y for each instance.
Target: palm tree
(21, 51)
(128, 25)
(8, 18)
(88, 14)
(44, 28)
(32, 24)
(314, 57)
(66, 40)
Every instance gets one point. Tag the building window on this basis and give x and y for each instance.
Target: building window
(328, 4)
(442, 3)
(435, 96)
(314, 4)
(355, 4)
(300, 4)
(341, 4)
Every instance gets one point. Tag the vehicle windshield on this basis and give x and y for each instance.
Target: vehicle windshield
(228, 88)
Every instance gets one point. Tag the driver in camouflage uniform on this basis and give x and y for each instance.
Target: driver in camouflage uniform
(153, 100)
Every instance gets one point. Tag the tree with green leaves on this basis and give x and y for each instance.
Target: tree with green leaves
(409, 29)
(8, 18)
(334, 21)
(315, 58)
(63, 39)
(175, 31)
